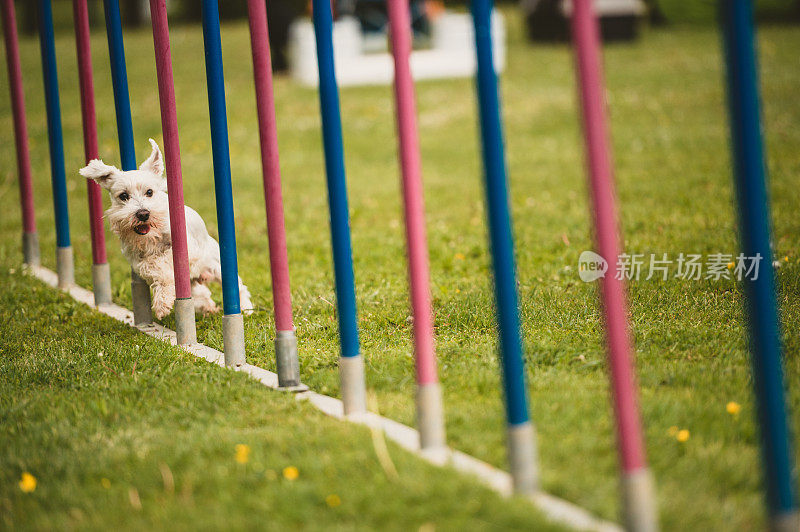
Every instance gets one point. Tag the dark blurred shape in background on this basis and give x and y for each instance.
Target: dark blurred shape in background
(373, 17)
(705, 11)
(548, 20)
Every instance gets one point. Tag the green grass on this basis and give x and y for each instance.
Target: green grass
(121, 430)
(674, 186)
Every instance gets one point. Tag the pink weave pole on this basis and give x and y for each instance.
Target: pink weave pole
(83, 45)
(265, 106)
(639, 504)
(184, 309)
(20, 132)
(429, 394)
(285, 343)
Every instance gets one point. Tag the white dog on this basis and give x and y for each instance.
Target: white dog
(139, 216)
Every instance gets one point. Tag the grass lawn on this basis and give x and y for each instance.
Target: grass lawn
(674, 186)
(121, 430)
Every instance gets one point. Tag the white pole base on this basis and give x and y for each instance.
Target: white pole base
(101, 284)
(788, 522)
(354, 392)
(639, 501)
(185, 328)
(65, 266)
(430, 416)
(522, 461)
(286, 360)
(30, 249)
(233, 339)
(140, 294)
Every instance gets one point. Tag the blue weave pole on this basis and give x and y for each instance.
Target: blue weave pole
(351, 365)
(521, 445)
(54, 132)
(140, 292)
(221, 155)
(232, 324)
(119, 80)
(754, 224)
(337, 190)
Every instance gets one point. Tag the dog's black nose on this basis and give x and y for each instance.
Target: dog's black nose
(143, 215)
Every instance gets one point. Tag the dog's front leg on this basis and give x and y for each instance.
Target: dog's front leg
(159, 275)
(163, 299)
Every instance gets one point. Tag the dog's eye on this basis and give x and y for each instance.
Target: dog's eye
(124, 196)
(149, 193)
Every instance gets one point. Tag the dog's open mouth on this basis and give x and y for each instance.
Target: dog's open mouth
(142, 229)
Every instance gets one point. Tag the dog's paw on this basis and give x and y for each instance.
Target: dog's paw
(161, 311)
(246, 306)
(162, 306)
(207, 308)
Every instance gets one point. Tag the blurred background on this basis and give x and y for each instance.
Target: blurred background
(544, 19)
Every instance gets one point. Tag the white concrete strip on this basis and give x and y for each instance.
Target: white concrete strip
(498, 480)
(555, 509)
(267, 378)
(569, 514)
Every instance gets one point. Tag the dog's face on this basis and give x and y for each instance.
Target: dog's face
(139, 212)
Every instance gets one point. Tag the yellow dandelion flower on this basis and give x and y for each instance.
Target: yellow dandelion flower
(460, 256)
(733, 408)
(786, 259)
(672, 431)
(27, 483)
(682, 436)
(105, 483)
(333, 500)
(731, 265)
(291, 473)
(242, 455)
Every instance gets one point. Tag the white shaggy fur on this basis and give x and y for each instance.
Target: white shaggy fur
(139, 216)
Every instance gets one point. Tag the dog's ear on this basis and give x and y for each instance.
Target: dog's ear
(102, 173)
(154, 163)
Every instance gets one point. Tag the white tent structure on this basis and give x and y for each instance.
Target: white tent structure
(450, 55)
